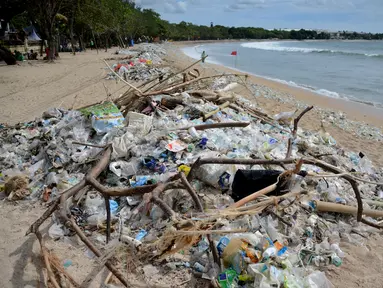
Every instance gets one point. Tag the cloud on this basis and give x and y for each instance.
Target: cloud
(366, 15)
(254, 4)
(175, 6)
(167, 6)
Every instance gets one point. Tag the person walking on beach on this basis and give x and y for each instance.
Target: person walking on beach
(203, 55)
(91, 44)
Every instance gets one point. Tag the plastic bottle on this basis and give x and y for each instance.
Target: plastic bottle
(222, 244)
(269, 252)
(335, 247)
(354, 159)
(365, 165)
(93, 202)
(113, 207)
(317, 279)
(336, 260)
(202, 144)
(330, 192)
(295, 183)
(269, 145)
(193, 132)
(312, 220)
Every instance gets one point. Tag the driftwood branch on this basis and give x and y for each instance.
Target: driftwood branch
(175, 74)
(217, 125)
(179, 86)
(44, 253)
(89, 144)
(72, 224)
(255, 195)
(108, 217)
(122, 79)
(192, 192)
(199, 206)
(294, 133)
(220, 108)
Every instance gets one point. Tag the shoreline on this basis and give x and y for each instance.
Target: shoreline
(355, 127)
(357, 111)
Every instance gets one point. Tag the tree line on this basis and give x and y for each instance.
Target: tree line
(111, 22)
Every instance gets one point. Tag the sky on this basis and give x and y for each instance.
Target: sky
(333, 15)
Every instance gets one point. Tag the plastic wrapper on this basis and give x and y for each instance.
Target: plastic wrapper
(138, 123)
(104, 117)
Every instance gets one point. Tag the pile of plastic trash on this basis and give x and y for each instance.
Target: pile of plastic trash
(142, 63)
(283, 250)
(281, 239)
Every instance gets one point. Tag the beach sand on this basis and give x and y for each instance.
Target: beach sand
(32, 87)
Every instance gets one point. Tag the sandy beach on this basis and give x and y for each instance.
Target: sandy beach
(32, 87)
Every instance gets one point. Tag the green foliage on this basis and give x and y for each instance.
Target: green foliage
(121, 19)
(20, 21)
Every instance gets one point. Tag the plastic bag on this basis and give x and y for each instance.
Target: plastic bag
(218, 176)
(93, 203)
(229, 87)
(122, 145)
(285, 117)
(125, 169)
(318, 279)
(56, 231)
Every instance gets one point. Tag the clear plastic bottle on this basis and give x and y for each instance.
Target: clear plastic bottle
(330, 193)
(365, 166)
(335, 247)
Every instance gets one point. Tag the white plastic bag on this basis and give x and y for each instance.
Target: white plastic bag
(285, 117)
(125, 169)
(122, 145)
(318, 279)
(56, 231)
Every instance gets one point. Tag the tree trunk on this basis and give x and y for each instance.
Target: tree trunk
(7, 56)
(121, 41)
(52, 47)
(71, 33)
(42, 48)
(57, 50)
(94, 39)
(81, 42)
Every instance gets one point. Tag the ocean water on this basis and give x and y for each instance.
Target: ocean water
(341, 69)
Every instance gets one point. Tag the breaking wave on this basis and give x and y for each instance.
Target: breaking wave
(277, 46)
